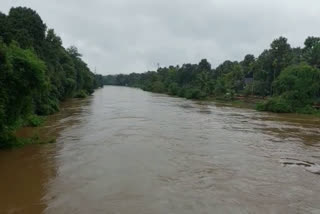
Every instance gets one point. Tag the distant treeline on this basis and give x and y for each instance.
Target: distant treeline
(289, 78)
(36, 72)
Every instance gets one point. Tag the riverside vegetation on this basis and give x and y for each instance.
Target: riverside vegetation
(287, 78)
(36, 73)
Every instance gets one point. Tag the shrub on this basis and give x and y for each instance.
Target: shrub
(194, 93)
(34, 120)
(229, 95)
(276, 104)
(7, 139)
(47, 108)
(173, 89)
(181, 92)
(307, 110)
(158, 87)
(300, 83)
(81, 94)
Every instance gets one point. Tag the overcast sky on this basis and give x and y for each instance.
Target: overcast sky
(124, 36)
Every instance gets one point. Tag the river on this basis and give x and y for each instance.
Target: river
(124, 150)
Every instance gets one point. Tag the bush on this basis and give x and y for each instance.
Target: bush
(47, 108)
(181, 92)
(248, 90)
(229, 95)
(81, 94)
(147, 87)
(158, 87)
(300, 83)
(275, 104)
(307, 110)
(34, 120)
(194, 93)
(296, 89)
(173, 89)
(7, 139)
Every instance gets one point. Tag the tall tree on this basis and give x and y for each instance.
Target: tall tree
(312, 51)
(26, 27)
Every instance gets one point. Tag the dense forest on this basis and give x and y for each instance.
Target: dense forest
(36, 72)
(287, 79)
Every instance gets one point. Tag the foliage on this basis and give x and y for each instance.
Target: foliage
(36, 72)
(300, 83)
(34, 120)
(276, 104)
(81, 94)
(296, 89)
(288, 76)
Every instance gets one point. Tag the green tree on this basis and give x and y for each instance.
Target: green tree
(312, 51)
(281, 56)
(36, 71)
(26, 27)
(296, 89)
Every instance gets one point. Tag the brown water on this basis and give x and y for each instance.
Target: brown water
(128, 151)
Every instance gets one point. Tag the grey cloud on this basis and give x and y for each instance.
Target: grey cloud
(123, 36)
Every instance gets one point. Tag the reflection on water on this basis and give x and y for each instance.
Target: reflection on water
(26, 172)
(128, 151)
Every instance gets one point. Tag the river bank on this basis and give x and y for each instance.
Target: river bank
(241, 101)
(39, 133)
(27, 135)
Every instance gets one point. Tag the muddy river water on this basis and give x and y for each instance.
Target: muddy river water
(127, 151)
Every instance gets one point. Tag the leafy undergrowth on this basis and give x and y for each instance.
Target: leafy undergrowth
(33, 140)
(81, 94)
(34, 120)
(15, 142)
(24, 132)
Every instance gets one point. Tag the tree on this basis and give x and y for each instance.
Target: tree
(26, 27)
(36, 71)
(247, 64)
(281, 56)
(300, 83)
(234, 79)
(296, 89)
(312, 51)
(204, 66)
(3, 27)
(264, 76)
(73, 51)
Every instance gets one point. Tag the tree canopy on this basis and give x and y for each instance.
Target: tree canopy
(36, 71)
(287, 75)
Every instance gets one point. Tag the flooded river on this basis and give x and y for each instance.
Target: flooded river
(126, 151)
